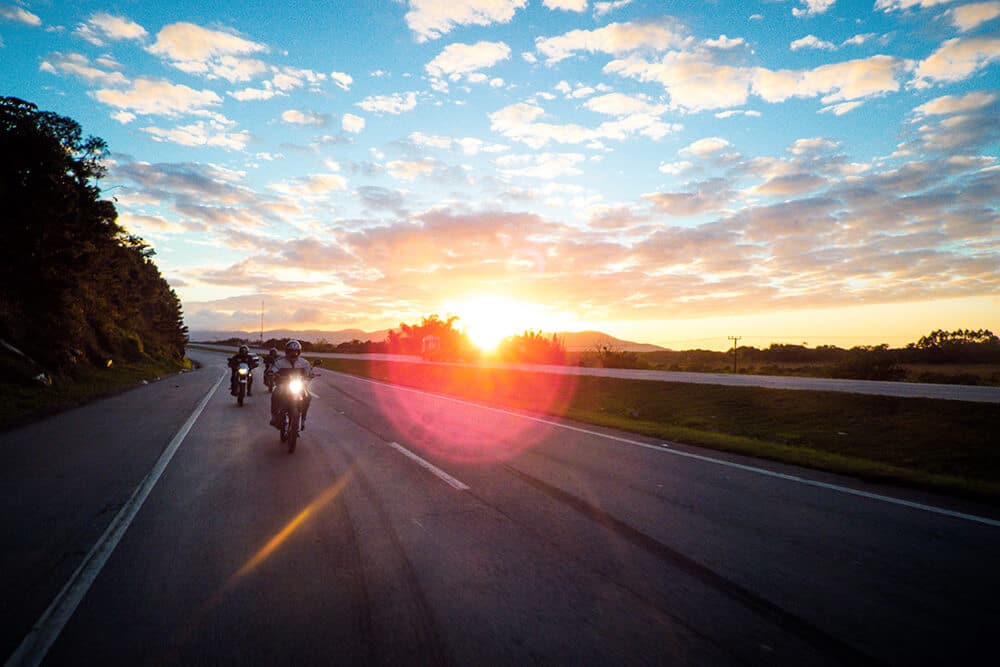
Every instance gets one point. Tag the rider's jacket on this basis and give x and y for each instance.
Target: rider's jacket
(248, 359)
(270, 361)
(286, 367)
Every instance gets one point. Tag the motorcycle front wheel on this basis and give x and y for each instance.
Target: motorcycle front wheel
(241, 393)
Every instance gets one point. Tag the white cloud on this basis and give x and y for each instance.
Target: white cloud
(811, 145)
(811, 42)
(950, 104)
(315, 186)
(566, 5)
(211, 53)
(858, 40)
(603, 8)
(102, 27)
(395, 104)
(80, 66)
(20, 15)
(969, 17)
(836, 82)
(813, 8)
(352, 123)
(458, 59)
(956, 60)
(901, 5)
(123, 117)
(704, 148)
(342, 80)
(541, 165)
(675, 168)
(201, 133)
(296, 117)
(255, 94)
(520, 122)
(842, 108)
(431, 19)
(158, 97)
(694, 83)
(410, 170)
(619, 104)
(723, 42)
(615, 39)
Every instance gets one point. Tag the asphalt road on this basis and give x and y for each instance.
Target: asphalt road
(411, 528)
(949, 392)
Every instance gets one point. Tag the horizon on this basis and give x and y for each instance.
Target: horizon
(816, 171)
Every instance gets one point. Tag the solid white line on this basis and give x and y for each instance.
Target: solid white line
(666, 449)
(430, 466)
(46, 630)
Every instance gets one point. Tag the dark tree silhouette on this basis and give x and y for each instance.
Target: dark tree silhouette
(74, 286)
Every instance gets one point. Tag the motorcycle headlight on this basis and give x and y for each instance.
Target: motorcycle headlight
(295, 386)
(243, 371)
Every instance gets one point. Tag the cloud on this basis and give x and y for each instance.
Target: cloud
(709, 196)
(296, 117)
(352, 123)
(956, 60)
(704, 148)
(210, 53)
(314, 186)
(283, 80)
(902, 5)
(604, 8)
(811, 42)
(615, 39)
(812, 145)
(859, 39)
(19, 15)
(78, 65)
(619, 104)
(102, 28)
(520, 122)
(410, 170)
(430, 19)
(541, 165)
(723, 42)
(842, 108)
(458, 59)
(836, 82)
(158, 97)
(951, 104)
(952, 124)
(969, 17)
(395, 103)
(813, 8)
(693, 82)
(342, 80)
(202, 133)
(566, 5)
(675, 168)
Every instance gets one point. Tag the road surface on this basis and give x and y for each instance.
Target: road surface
(412, 528)
(950, 392)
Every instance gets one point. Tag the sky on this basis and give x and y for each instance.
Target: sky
(673, 172)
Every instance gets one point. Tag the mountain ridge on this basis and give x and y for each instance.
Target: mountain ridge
(575, 341)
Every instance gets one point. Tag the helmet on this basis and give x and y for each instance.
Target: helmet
(244, 349)
(293, 349)
(273, 352)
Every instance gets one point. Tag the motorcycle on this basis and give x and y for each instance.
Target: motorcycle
(243, 379)
(290, 417)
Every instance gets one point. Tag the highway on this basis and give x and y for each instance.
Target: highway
(413, 528)
(950, 392)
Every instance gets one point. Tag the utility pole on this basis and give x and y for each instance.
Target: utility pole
(261, 343)
(735, 340)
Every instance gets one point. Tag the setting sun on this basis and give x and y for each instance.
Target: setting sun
(487, 320)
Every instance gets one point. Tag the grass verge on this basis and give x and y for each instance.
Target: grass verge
(945, 446)
(26, 402)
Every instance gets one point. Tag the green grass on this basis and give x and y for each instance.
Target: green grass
(946, 446)
(21, 403)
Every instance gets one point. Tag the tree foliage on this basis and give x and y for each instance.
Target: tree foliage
(74, 286)
(453, 344)
(532, 347)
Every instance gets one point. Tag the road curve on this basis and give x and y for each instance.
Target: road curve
(950, 392)
(563, 543)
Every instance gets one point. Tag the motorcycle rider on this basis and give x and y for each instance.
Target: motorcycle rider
(290, 365)
(269, 361)
(242, 356)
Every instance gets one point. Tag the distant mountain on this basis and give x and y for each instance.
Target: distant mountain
(575, 341)
(311, 335)
(582, 341)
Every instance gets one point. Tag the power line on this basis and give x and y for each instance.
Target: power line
(735, 340)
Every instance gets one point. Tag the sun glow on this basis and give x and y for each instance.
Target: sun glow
(487, 320)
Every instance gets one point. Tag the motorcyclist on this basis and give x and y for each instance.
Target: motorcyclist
(271, 358)
(287, 367)
(243, 356)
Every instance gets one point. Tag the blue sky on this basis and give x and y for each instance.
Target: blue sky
(673, 172)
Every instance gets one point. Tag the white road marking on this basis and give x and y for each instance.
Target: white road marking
(666, 449)
(430, 466)
(46, 630)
